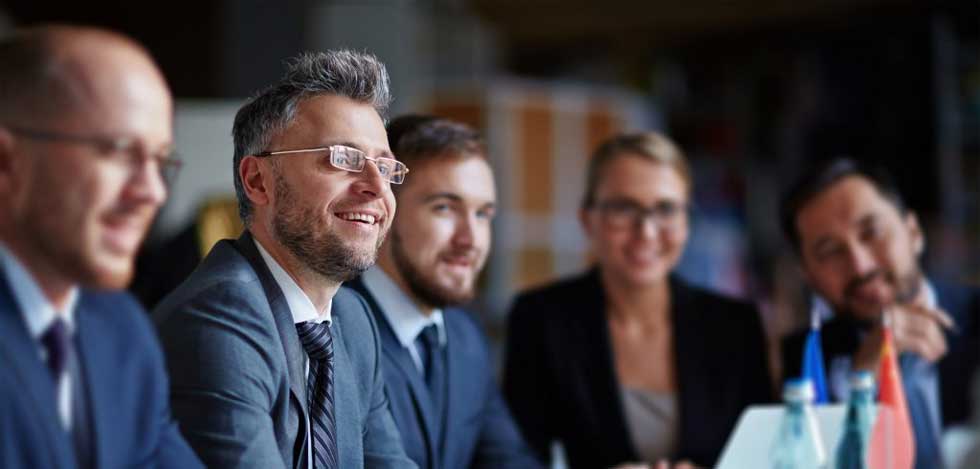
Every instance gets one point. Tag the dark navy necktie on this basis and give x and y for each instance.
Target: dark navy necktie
(434, 366)
(63, 363)
(318, 343)
(57, 344)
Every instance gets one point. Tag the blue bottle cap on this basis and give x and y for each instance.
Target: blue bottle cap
(798, 390)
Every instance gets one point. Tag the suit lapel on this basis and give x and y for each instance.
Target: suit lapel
(688, 362)
(419, 391)
(23, 360)
(100, 380)
(458, 379)
(295, 355)
(591, 329)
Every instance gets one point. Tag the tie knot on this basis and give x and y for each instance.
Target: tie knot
(316, 339)
(57, 343)
(430, 336)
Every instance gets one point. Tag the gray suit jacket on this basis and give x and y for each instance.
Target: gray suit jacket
(237, 369)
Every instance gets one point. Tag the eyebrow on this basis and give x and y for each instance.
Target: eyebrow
(443, 195)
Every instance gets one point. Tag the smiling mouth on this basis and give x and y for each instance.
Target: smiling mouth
(359, 217)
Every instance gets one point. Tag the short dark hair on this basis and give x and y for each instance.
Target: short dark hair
(355, 75)
(416, 139)
(819, 177)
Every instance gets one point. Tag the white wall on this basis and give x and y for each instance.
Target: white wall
(204, 143)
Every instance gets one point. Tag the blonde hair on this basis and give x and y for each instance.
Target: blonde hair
(654, 146)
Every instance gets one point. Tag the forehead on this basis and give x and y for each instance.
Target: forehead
(638, 177)
(330, 119)
(117, 83)
(841, 207)
(468, 177)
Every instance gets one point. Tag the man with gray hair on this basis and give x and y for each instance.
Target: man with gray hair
(271, 364)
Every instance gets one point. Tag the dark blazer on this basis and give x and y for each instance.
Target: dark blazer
(479, 431)
(237, 369)
(561, 383)
(124, 379)
(840, 337)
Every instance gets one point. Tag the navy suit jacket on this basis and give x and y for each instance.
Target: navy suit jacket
(479, 431)
(560, 378)
(237, 369)
(124, 378)
(840, 337)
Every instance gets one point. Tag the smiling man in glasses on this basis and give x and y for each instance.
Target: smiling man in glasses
(86, 129)
(272, 365)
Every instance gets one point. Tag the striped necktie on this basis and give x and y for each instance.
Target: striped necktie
(318, 343)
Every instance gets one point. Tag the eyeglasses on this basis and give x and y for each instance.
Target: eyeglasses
(124, 151)
(622, 214)
(353, 160)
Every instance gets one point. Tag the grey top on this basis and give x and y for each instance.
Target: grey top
(652, 422)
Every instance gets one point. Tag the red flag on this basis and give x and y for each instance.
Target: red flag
(892, 442)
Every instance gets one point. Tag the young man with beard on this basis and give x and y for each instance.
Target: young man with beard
(86, 138)
(859, 246)
(272, 365)
(437, 364)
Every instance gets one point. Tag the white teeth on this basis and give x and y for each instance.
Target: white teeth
(364, 217)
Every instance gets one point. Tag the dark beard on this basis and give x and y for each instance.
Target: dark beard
(427, 291)
(294, 226)
(907, 288)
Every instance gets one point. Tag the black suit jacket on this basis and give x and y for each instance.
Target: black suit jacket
(840, 337)
(478, 431)
(561, 383)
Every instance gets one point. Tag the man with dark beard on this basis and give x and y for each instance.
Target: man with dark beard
(859, 246)
(437, 364)
(271, 365)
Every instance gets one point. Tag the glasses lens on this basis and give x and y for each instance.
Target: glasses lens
(392, 170)
(347, 158)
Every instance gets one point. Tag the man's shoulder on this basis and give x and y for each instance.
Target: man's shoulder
(224, 277)
(116, 313)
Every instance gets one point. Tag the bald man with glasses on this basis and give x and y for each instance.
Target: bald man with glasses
(86, 137)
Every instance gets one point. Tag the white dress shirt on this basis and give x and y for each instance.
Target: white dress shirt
(404, 316)
(39, 314)
(302, 309)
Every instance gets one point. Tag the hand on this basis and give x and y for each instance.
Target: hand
(915, 328)
(919, 329)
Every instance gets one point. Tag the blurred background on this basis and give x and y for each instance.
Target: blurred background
(750, 89)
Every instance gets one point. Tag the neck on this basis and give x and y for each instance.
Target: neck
(387, 264)
(55, 287)
(646, 303)
(319, 289)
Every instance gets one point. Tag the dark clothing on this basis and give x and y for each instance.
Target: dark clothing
(561, 383)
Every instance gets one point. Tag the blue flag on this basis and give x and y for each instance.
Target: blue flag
(813, 362)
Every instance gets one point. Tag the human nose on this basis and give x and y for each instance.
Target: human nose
(648, 224)
(465, 232)
(370, 181)
(861, 260)
(146, 180)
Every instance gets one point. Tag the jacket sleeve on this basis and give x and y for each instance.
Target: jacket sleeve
(223, 378)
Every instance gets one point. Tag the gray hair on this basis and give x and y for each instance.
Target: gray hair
(355, 75)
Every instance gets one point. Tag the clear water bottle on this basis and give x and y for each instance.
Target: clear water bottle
(798, 444)
(852, 452)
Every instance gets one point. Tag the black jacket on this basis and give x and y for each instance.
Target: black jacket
(561, 383)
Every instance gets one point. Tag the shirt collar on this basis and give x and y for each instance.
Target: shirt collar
(402, 313)
(37, 311)
(299, 303)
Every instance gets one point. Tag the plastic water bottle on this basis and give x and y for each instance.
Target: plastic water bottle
(852, 452)
(798, 444)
